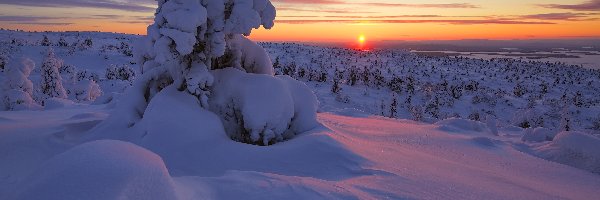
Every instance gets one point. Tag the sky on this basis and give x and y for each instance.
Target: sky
(338, 20)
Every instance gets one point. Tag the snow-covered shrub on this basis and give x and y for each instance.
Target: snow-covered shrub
(68, 73)
(85, 44)
(45, 41)
(126, 49)
(539, 134)
(120, 72)
(188, 39)
(86, 90)
(3, 61)
(528, 118)
(88, 75)
(261, 109)
(188, 35)
(62, 42)
(596, 124)
(492, 124)
(16, 86)
(416, 112)
(51, 85)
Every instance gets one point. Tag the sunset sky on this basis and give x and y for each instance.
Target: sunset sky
(338, 20)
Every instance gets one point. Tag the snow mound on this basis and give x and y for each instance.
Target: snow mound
(539, 134)
(174, 125)
(56, 103)
(103, 169)
(457, 125)
(573, 148)
(262, 109)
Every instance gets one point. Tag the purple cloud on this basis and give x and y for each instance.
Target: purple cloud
(309, 1)
(442, 21)
(134, 6)
(24, 19)
(592, 5)
(560, 16)
(321, 11)
(433, 5)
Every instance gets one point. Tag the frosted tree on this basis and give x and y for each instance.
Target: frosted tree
(45, 41)
(51, 85)
(199, 47)
(190, 37)
(17, 87)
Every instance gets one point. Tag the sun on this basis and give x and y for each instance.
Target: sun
(362, 39)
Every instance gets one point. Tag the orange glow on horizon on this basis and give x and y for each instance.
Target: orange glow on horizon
(337, 23)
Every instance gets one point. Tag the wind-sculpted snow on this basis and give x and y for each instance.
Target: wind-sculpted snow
(479, 134)
(100, 170)
(573, 148)
(352, 158)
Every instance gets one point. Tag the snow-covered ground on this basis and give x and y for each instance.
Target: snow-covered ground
(349, 157)
(483, 130)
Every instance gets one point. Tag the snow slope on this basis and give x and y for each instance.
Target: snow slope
(349, 157)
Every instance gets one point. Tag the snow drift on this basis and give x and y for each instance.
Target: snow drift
(101, 169)
(573, 148)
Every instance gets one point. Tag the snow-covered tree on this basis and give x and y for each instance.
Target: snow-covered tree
(86, 90)
(3, 60)
(45, 41)
(51, 85)
(85, 44)
(62, 42)
(190, 37)
(16, 86)
(199, 47)
(120, 72)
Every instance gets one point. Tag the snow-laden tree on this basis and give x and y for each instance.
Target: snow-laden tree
(16, 86)
(199, 47)
(190, 37)
(51, 85)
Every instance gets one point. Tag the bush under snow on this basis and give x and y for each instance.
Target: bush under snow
(198, 47)
(262, 109)
(17, 89)
(51, 85)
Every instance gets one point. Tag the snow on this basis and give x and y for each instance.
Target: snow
(364, 157)
(54, 103)
(573, 148)
(174, 125)
(258, 108)
(180, 150)
(101, 169)
(462, 126)
(16, 88)
(254, 58)
(539, 134)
